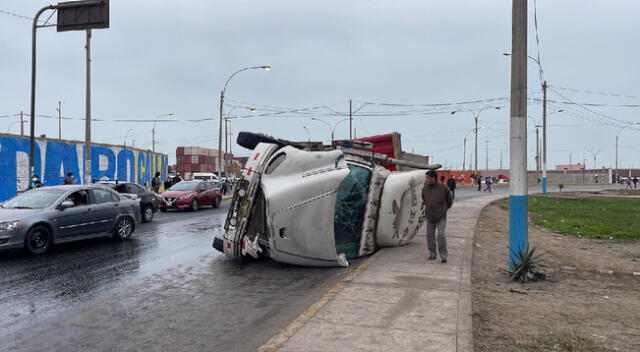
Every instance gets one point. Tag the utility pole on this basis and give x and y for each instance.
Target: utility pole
(617, 172)
(537, 149)
(59, 120)
(464, 153)
(569, 158)
(500, 159)
(87, 124)
(544, 137)
(518, 187)
(21, 123)
(475, 118)
(350, 120)
(153, 139)
(487, 156)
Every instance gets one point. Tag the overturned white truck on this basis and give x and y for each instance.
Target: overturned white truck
(320, 208)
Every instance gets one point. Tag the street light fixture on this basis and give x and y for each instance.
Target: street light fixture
(224, 89)
(617, 136)
(153, 130)
(125, 137)
(332, 129)
(227, 133)
(476, 115)
(308, 134)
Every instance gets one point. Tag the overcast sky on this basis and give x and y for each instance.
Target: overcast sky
(162, 57)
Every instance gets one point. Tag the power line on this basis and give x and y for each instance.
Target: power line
(535, 23)
(597, 93)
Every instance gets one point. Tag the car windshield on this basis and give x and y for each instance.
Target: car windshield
(184, 186)
(34, 199)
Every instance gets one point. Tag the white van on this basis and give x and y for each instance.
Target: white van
(205, 176)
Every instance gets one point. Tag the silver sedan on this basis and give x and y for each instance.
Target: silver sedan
(39, 218)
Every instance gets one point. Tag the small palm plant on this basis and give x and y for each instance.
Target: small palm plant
(561, 186)
(525, 266)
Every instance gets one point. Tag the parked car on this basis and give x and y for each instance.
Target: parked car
(149, 200)
(319, 208)
(206, 176)
(190, 195)
(37, 219)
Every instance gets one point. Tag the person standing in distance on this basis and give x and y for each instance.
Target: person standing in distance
(69, 179)
(451, 183)
(437, 200)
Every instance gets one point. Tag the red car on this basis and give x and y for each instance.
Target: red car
(190, 195)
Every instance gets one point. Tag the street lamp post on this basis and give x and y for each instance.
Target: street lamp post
(153, 131)
(222, 92)
(595, 155)
(308, 134)
(125, 137)
(476, 116)
(617, 136)
(332, 129)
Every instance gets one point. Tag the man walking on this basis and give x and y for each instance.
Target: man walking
(437, 200)
(487, 182)
(479, 182)
(451, 183)
(69, 179)
(635, 181)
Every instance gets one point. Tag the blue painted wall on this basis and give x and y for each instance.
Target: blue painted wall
(54, 158)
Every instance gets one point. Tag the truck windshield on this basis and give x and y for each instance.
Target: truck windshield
(351, 202)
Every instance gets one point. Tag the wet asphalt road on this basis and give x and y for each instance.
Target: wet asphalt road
(33, 289)
(75, 283)
(42, 297)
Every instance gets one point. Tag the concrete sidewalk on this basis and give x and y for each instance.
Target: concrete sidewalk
(400, 301)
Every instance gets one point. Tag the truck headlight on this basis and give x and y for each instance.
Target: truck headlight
(9, 225)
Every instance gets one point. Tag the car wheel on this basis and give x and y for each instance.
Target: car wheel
(216, 202)
(195, 205)
(124, 228)
(147, 214)
(38, 240)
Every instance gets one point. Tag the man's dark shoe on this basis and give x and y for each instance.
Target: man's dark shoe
(444, 260)
(432, 257)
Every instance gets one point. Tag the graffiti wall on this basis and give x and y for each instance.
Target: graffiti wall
(53, 159)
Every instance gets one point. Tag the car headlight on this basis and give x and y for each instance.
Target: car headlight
(9, 225)
(183, 197)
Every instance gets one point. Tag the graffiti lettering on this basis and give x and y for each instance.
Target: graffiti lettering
(53, 159)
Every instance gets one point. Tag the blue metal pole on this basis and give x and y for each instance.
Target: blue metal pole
(518, 185)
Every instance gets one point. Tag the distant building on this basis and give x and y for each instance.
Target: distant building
(570, 167)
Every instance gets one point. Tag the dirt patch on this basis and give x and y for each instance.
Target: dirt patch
(579, 308)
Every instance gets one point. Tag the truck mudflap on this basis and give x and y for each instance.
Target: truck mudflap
(401, 212)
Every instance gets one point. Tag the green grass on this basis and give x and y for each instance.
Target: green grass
(590, 216)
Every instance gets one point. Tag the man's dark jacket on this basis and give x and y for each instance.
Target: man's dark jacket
(437, 200)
